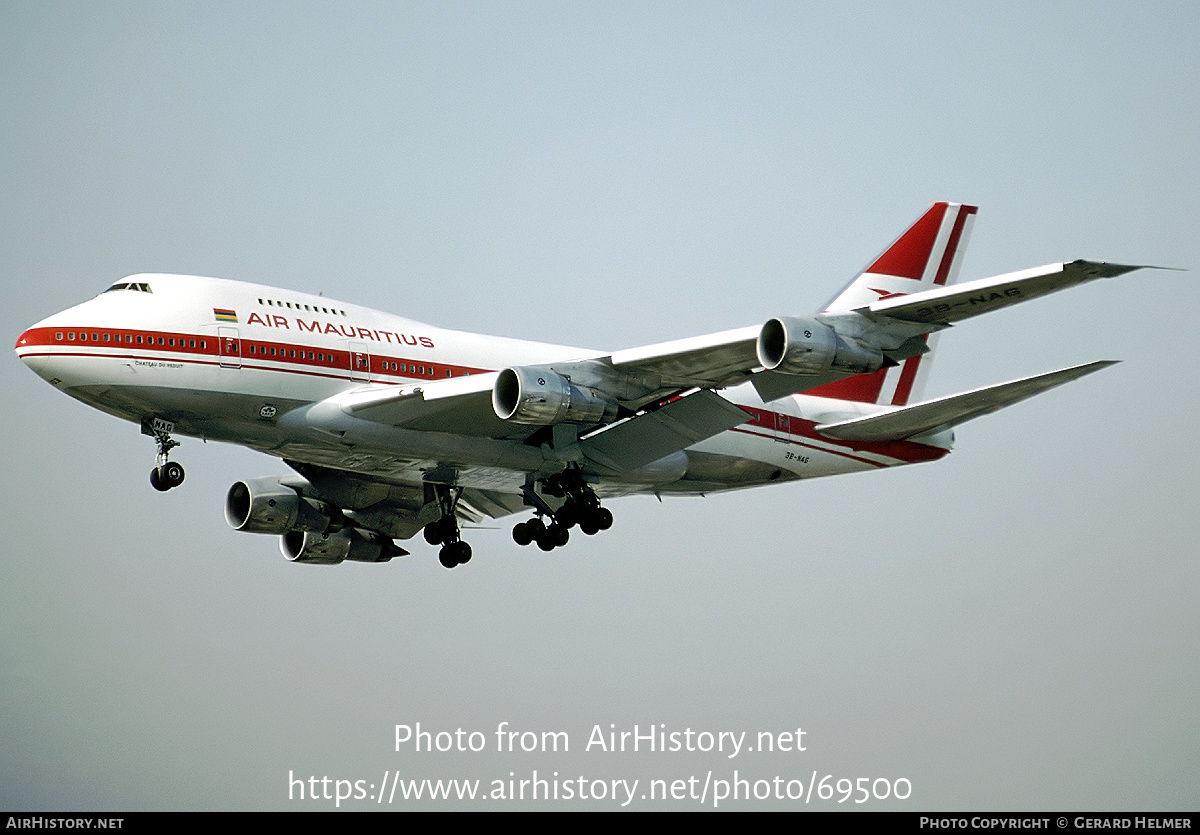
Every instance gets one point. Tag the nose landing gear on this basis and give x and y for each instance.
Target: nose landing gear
(166, 474)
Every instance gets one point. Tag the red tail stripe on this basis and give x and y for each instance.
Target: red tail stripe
(952, 245)
(861, 388)
(908, 376)
(908, 256)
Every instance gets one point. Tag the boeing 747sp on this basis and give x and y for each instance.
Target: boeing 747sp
(394, 427)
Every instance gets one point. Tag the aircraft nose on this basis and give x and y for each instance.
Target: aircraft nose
(37, 346)
(24, 342)
(27, 347)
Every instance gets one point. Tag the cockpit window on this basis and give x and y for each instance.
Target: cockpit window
(130, 285)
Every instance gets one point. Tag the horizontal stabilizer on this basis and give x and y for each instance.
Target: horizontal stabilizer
(945, 412)
(947, 305)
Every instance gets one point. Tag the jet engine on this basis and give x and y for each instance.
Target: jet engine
(268, 505)
(543, 397)
(804, 345)
(333, 548)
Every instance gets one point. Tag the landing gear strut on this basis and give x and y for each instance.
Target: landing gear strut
(445, 532)
(581, 507)
(166, 474)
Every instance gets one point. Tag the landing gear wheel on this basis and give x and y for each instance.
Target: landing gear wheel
(442, 531)
(568, 514)
(454, 553)
(553, 537)
(464, 552)
(604, 518)
(156, 481)
(166, 476)
(172, 474)
(521, 533)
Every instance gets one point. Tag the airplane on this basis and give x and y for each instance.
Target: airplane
(393, 427)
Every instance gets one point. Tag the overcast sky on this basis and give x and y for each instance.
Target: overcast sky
(1013, 627)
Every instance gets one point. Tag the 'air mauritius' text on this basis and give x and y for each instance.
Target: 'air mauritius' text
(313, 326)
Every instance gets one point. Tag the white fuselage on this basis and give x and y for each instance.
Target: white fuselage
(230, 361)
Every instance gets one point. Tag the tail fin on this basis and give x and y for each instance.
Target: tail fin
(926, 256)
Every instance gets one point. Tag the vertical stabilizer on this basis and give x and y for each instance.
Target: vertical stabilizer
(926, 256)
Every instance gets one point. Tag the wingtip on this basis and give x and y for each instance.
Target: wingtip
(1089, 367)
(1109, 269)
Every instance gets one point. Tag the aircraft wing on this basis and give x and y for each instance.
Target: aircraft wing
(662, 397)
(945, 412)
(647, 384)
(947, 305)
(634, 379)
(711, 361)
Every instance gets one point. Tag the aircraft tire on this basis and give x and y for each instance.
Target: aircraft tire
(567, 515)
(156, 481)
(521, 534)
(604, 518)
(172, 474)
(440, 531)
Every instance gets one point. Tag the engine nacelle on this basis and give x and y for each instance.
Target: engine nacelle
(331, 549)
(543, 397)
(804, 345)
(266, 505)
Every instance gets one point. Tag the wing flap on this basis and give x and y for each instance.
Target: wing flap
(650, 436)
(945, 412)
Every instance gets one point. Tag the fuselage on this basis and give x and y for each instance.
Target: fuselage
(240, 363)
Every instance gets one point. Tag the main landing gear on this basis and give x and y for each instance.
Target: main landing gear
(166, 474)
(581, 507)
(550, 529)
(445, 532)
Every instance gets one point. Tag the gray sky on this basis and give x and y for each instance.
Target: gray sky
(1012, 627)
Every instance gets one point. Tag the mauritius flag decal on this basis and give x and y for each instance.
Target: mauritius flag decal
(225, 315)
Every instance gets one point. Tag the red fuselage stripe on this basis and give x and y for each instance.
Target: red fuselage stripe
(812, 446)
(178, 347)
(796, 427)
(337, 366)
